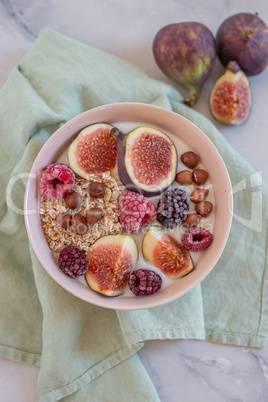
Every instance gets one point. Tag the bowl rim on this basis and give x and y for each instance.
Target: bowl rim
(116, 303)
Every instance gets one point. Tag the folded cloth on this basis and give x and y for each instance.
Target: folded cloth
(86, 352)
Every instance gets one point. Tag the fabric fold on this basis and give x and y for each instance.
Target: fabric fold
(184, 320)
(80, 341)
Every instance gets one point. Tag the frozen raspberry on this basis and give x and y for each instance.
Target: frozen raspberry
(57, 180)
(144, 282)
(72, 262)
(196, 239)
(135, 211)
(172, 208)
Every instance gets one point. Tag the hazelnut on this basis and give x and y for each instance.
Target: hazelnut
(204, 208)
(200, 176)
(79, 224)
(64, 220)
(184, 177)
(190, 159)
(96, 189)
(94, 215)
(199, 195)
(191, 220)
(72, 200)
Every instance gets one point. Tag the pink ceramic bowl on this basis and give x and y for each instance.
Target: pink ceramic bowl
(133, 115)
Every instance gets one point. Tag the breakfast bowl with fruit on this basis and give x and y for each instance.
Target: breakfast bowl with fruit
(133, 206)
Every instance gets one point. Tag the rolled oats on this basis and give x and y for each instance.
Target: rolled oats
(57, 237)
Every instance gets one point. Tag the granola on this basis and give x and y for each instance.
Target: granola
(57, 237)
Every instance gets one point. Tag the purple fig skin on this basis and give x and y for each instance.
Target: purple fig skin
(243, 37)
(186, 53)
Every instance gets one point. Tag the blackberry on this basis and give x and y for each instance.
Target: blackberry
(144, 282)
(173, 207)
(72, 262)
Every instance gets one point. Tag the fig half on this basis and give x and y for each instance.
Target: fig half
(94, 151)
(147, 160)
(110, 260)
(230, 98)
(166, 253)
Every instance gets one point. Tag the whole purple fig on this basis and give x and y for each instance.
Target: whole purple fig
(244, 39)
(186, 53)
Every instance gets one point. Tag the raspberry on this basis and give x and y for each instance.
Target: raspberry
(57, 180)
(172, 208)
(144, 282)
(72, 262)
(196, 239)
(135, 211)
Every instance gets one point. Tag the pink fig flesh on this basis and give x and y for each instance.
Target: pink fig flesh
(230, 98)
(147, 161)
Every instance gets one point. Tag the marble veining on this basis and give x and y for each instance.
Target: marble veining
(205, 371)
(14, 13)
(181, 370)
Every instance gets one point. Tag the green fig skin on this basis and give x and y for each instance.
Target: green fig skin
(186, 53)
(243, 38)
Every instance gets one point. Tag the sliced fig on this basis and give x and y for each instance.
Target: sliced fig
(94, 151)
(186, 53)
(147, 161)
(230, 98)
(166, 253)
(243, 37)
(110, 260)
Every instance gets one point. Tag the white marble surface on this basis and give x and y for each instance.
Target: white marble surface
(181, 370)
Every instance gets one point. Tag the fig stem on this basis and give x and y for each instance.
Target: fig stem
(248, 33)
(233, 66)
(117, 134)
(191, 100)
(193, 96)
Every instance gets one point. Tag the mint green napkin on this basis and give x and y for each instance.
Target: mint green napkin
(86, 352)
